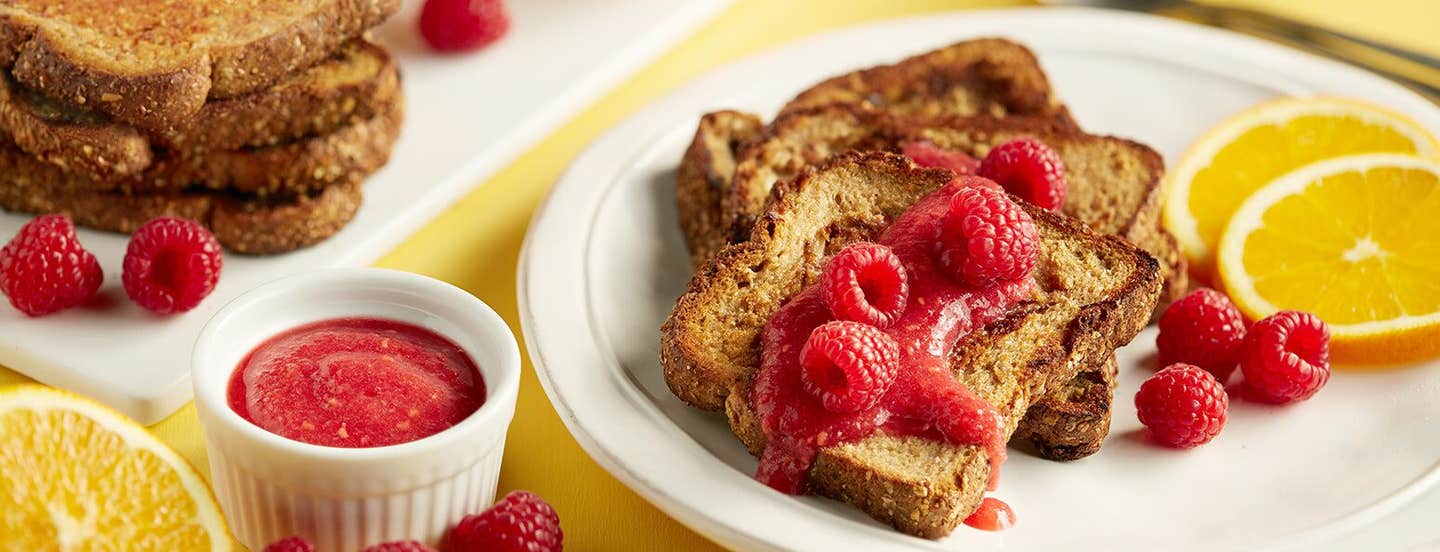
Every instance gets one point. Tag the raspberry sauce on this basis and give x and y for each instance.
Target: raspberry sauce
(356, 382)
(992, 515)
(925, 400)
(926, 154)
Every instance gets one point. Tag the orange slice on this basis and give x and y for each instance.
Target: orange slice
(1256, 146)
(75, 475)
(1355, 240)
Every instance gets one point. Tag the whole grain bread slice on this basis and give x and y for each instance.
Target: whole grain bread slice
(153, 65)
(985, 76)
(1071, 422)
(1114, 183)
(702, 180)
(1094, 293)
(354, 84)
(243, 224)
(1065, 426)
(298, 167)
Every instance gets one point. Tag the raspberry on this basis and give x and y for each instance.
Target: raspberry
(520, 522)
(171, 265)
(1028, 168)
(985, 238)
(291, 544)
(1204, 329)
(462, 25)
(1183, 405)
(1286, 357)
(866, 283)
(399, 546)
(926, 154)
(44, 269)
(848, 366)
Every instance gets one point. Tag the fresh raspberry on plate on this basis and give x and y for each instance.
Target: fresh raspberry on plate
(926, 154)
(1027, 168)
(462, 25)
(848, 366)
(866, 283)
(1183, 405)
(1286, 357)
(44, 269)
(171, 265)
(985, 238)
(1204, 329)
(520, 522)
(291, 544)
(399, 546)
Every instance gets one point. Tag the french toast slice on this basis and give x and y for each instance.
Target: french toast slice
(1094, 292)
(1075, 420)
(153, 64)
(1071, 422)
(703, 179)
(297, 167)
(242, 224)
(1114, 183)
(985, 76)
(354, 84)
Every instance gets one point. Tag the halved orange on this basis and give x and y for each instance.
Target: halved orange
(1260, 144)
(1355, 240)
(76, 475)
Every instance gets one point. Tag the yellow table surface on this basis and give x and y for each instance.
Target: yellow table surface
(475, 245)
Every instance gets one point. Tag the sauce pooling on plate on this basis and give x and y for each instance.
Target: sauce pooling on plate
(356, 382)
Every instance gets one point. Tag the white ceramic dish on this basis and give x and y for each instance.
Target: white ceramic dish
(604, 262)
(465, 117)
(344, 499)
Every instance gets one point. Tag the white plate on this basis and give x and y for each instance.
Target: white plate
(604, 262)
(465, 117)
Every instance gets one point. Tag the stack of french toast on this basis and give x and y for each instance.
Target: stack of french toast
(257, 118)
(764, 206)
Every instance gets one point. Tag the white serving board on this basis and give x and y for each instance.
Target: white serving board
(466, 116)
(1298, 477)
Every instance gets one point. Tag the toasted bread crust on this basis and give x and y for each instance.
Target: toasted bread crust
(703, 178)
(1095, 292)
(89, 146)
(153, 67)
(298, 167)
(803, 137)
(355, 84)
(1115, 183)
(987, 76)
(1071, 422)
(358, 82)
(264, 227)
(246, 225)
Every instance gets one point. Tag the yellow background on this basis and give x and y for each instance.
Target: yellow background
(476, 243)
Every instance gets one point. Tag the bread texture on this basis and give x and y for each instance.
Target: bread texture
(356, 83)
(1071, 422)
(986, 76)
(1094, 293)
(702, 180)
(153, 63)
(299, 167)
(243, 224)
(1114, 183)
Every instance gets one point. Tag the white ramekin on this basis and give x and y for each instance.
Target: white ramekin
(343, 499)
